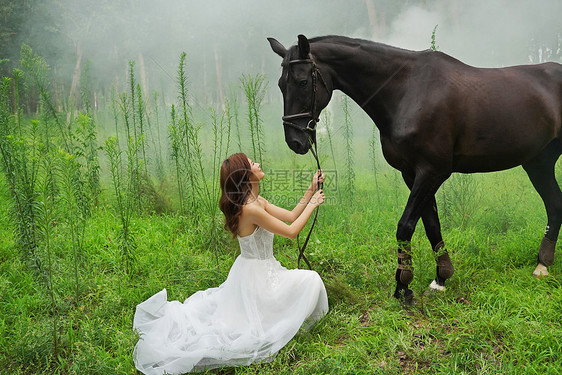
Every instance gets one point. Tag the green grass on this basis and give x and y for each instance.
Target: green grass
(493, 318)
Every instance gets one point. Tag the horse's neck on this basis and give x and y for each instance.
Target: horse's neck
(373, 76)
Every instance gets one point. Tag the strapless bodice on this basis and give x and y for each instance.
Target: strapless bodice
(258, 245)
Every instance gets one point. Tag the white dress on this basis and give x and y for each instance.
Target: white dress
(248, 318)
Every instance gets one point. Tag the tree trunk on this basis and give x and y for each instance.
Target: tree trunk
(76, 75)
(371, 12)
(219, 78)
(205, 90)
(144, 80)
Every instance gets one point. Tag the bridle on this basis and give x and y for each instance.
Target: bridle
(311, 125)
(310, 130)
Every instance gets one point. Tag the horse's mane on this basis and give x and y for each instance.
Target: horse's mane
(355, 42)
(344, 41)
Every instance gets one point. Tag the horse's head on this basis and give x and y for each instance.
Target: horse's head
(305, 93)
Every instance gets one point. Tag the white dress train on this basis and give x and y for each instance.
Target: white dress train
(247, 319)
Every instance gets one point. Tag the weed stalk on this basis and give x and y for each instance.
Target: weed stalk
(349, 176)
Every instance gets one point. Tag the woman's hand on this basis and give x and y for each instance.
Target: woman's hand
(318, 198)
(318, 178)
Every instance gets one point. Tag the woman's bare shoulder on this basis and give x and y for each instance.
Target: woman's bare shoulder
(250, 211)
(254, 205)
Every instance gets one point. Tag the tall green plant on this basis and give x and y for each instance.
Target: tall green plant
(349, 176)
(86, 150)
(221, 143)
(124, 198)
(85, 140)
(458, 203)
(115, 105)
(201, 190)
(141, 113)
(176, 155)
(232, 115)
(75, 209)
(20, 166)
(187, 147)
(186, 131)
(328, 123)
(47, 203)
(229, 115)
(221, 139)
(157, 141)
(132, 100)
(255, 88)
(133, 107)
(133, 171)
(434, 46)
(373, 149)
(37, 74)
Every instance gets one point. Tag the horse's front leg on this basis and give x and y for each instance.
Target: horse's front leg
(444, 267)
(422, 195)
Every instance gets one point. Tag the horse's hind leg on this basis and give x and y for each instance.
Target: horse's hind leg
(444, 267)
(541, 173)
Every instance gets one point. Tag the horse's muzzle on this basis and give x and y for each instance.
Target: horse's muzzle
(297, 146)
(300, 135)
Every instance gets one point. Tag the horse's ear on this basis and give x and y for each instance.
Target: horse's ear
(277, 47)
(304, 47)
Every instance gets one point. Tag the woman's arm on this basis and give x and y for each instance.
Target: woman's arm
(258, 215)
(291, 216)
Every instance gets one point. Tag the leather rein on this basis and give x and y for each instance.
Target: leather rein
(310, 130)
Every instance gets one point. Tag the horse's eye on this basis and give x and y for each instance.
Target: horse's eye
(303, 83)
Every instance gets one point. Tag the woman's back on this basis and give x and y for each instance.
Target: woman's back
(258, 245)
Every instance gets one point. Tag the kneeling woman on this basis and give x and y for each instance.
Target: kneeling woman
(259, 307)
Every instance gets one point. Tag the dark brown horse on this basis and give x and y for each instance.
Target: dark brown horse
(436, 115)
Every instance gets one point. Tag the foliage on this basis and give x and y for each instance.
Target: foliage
(125, 197)
(86, 151)
(255, 88)
(186, 149)
(20, 167)
(373, 153)
(79, 249)
(434, 46)
(493, 318)
(349, 173)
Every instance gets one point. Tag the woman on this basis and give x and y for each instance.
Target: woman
(259, 307)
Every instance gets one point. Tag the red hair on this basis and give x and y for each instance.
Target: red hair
(235, 186)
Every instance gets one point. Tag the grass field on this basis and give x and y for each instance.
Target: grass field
(493, 318)
(91, 224)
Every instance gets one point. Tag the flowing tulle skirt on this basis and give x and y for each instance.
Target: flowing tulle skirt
(247, 319)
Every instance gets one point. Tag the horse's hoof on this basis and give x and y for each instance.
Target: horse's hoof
(546, 252)
(406, 296)
(435, 286)
(540, 271)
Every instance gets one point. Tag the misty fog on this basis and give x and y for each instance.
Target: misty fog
(224, 39)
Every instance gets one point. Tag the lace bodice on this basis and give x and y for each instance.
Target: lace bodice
(258, 245)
